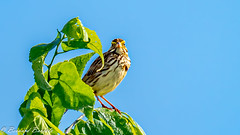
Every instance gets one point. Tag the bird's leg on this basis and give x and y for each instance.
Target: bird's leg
(104, 106)
(111, 105)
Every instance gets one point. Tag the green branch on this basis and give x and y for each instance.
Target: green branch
(55, 54)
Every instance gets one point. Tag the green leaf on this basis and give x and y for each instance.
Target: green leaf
(35, 103)
(37, 66)
(46, 98)
(35, 123)
(34, 88)
(108, 122)
(75, 131)
(118, 123)
(79, 128)
(72, 91)
(95, 44)
(22, 109)
(2, 133)
(138, 130)
(99, 127)
(37, 56)
(41, 125)
(74, 29)
(25, 122)
(41, 49)
(74, 44)
(33, 110)
(54, 73)
(90, 128)
(57, 110)
(81, 61)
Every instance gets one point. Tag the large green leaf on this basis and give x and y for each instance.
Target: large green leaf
(81, 61)
(22, 108)
(119, 124)
(37, 66)
(46, 99)
(57, 110)
(26, 121)
(72, 91)
(35, 123)
(94, 44)
(41, 49)
(32, 110)
(34, 117)
(108, 122)
(74, 29)
(35, 103)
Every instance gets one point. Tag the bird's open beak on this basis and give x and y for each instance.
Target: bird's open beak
(119, 45)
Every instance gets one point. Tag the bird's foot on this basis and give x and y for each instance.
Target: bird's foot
(117, 110)
(104, 106)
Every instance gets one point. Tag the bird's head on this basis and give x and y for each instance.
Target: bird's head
(118, 45)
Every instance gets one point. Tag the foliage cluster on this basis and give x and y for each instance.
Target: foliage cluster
(61, 88)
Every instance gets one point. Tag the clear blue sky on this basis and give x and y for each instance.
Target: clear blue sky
(185, 72)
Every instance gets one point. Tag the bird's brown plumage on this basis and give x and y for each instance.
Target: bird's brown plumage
(115, 68)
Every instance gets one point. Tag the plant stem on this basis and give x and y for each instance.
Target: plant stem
(55, 54)
(68, 130)
(61, 52)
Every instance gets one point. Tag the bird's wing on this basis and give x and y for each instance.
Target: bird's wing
(93, 68)
(92, 71)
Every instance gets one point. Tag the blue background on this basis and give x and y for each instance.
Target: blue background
(184, 78)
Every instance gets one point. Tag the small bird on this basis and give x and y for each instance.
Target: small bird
(109, 77)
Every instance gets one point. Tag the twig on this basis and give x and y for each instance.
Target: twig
(60, 52)
(49, 66)
(68, 130)
(55, 54)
